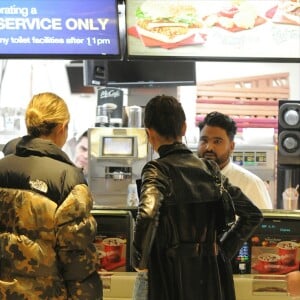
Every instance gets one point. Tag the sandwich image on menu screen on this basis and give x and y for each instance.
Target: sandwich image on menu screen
(167, 22)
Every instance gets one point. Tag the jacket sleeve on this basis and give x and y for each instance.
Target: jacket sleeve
(76, 230)
(249, 217)
(153, 188)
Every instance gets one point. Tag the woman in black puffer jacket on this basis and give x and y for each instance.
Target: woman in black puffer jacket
(46, 227)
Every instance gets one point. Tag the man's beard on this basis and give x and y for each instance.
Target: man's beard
(219, 160)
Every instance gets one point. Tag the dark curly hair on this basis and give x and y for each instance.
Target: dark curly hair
(217, 119)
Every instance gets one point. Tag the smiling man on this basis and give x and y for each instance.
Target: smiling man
(217, 132)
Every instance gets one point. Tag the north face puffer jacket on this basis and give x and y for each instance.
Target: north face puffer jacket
(46, 228)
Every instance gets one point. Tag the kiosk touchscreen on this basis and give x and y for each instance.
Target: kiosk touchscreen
(113, 240)
(273, 248)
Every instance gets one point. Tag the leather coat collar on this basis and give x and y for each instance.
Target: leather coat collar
(165, 150)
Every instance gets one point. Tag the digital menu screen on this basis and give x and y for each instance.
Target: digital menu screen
(117, 146)
(225, 29)
(59, 28)
(272, 249)
(275, 247)
(113, 240)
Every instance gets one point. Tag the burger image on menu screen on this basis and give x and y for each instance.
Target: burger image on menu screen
(167, 22)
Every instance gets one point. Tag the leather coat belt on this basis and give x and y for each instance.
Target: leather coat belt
(193, 249)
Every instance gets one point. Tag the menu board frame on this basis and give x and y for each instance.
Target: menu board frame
(59, 29)
(271, 38)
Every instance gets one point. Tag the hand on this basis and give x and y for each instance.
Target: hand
(141, 270)
(293, 283)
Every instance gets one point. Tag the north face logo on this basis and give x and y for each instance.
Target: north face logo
(38, 185)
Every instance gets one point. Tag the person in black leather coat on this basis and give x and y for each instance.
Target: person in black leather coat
(179, 243)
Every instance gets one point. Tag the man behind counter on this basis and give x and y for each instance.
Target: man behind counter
(81, 153)
(217, 132)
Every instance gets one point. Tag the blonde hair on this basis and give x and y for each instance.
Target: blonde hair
(44, 112)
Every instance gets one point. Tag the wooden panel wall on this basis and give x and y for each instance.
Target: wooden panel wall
(252, 101)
